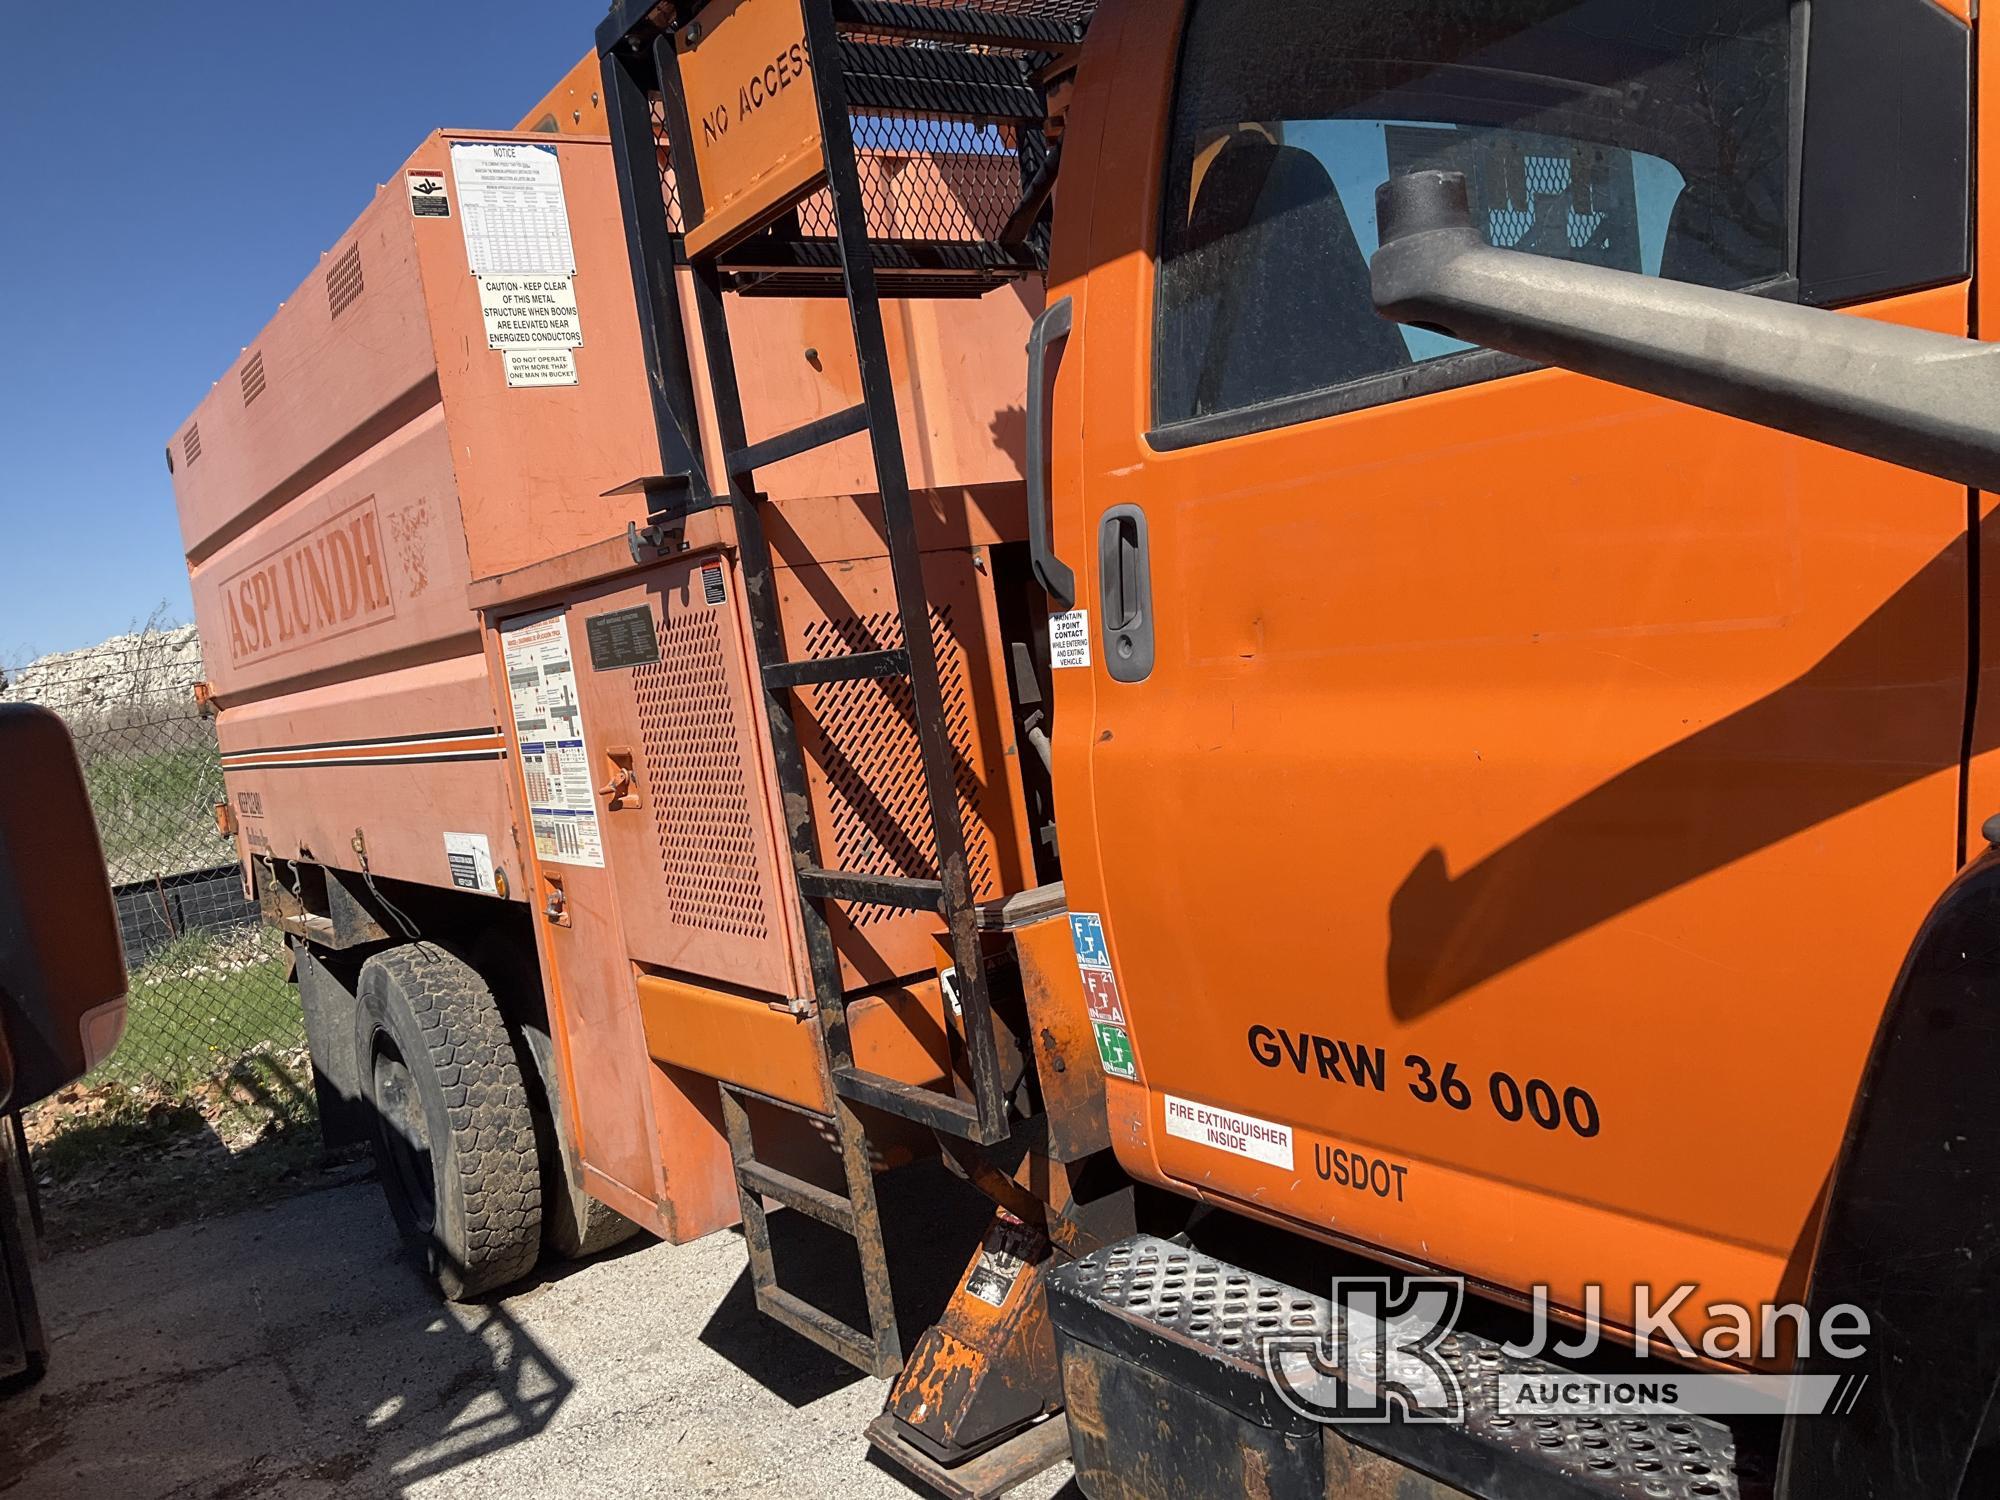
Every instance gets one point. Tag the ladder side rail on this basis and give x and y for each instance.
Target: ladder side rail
(905, 563)
(649, 244)
(753, 550)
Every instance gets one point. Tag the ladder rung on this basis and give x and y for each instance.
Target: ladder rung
(824, 1329)
(910, 1102)
(871, 890)
(814, 434)
(857, 666)
(795, 1192)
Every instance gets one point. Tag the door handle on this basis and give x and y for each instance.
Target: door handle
(1125, 593)
(1054, 575)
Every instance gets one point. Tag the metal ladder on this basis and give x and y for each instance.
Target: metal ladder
(880, 1350)
(974, 60)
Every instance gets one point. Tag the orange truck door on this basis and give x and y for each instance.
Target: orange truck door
(1496, 803)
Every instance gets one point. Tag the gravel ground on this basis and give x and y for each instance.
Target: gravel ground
(290, 1351)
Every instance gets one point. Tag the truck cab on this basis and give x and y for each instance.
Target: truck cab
(1498, 804)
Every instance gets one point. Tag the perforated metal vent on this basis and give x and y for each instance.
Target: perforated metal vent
(697, 782)
(191, 442)
(253, 378)
(343, 281)
(863, 737)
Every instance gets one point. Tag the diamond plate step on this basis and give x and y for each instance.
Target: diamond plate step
(1199, 1321)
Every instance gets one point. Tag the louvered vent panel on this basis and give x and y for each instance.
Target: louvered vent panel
(343, 281)
(863, 737)
(191, 442)
(253, 378)
(697, 782)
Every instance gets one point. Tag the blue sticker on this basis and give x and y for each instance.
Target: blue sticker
(1087, 930)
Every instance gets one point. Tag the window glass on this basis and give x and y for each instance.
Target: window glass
(1645, 135)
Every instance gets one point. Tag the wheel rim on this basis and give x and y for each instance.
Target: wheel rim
(401, 1129)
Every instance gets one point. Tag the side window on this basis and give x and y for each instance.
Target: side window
(1639, 134)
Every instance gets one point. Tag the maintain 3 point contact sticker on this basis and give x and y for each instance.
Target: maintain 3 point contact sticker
(1100, 993)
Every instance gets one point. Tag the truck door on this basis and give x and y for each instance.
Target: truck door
(1507, 798)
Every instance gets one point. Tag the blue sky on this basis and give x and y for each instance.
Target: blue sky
(167, 175)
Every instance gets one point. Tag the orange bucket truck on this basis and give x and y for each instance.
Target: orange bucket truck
(1517, 937)
(656, 852)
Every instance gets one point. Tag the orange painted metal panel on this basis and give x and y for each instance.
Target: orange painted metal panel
(742, 1040)
(753, 115)
(345, 361)
(356, 770)
(573, 107)
(958, 401)
(862, 756)
(697, 850)
(1538, 730)
(534, 464)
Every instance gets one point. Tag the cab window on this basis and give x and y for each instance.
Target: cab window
(1644, 135)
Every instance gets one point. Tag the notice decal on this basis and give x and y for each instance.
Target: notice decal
(1225, 1130)
(548, 722)
(511, 207)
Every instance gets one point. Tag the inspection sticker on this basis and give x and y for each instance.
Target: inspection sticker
(1100, 994)
(1086, 929)
(1069, 639)
(1114, 1050)
(1225, 1130)
(470, 858)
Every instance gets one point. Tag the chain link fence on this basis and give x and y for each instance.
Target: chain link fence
(208, 984)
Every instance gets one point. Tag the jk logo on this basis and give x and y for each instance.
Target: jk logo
(1380, 1361)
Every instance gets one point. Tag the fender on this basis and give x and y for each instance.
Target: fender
(1912, 1231)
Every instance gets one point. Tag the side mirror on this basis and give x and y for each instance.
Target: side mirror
(1926, 401)
(62, 971)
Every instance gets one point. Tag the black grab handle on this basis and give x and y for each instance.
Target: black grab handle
(1054, 575)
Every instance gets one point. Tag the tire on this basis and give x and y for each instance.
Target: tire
(574, 1224)
(452, 1129)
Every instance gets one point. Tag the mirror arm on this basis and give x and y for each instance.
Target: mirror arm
(1926, 401)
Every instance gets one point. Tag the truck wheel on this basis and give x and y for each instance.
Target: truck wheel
(574, 1224)
(453, 1133)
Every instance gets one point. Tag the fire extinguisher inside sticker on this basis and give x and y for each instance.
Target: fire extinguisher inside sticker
(1225, 1130)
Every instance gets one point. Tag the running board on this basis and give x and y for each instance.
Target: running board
(1159, 1338)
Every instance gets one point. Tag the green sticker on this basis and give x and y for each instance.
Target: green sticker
(1114, 1049)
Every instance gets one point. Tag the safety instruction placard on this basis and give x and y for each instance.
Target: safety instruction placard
(533, 367)
(510, 202)
(1069, 639)
(548, 724)
(430, 198)
(530, 312)
(470, 858)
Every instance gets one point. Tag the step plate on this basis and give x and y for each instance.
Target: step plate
(1174, 1302)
